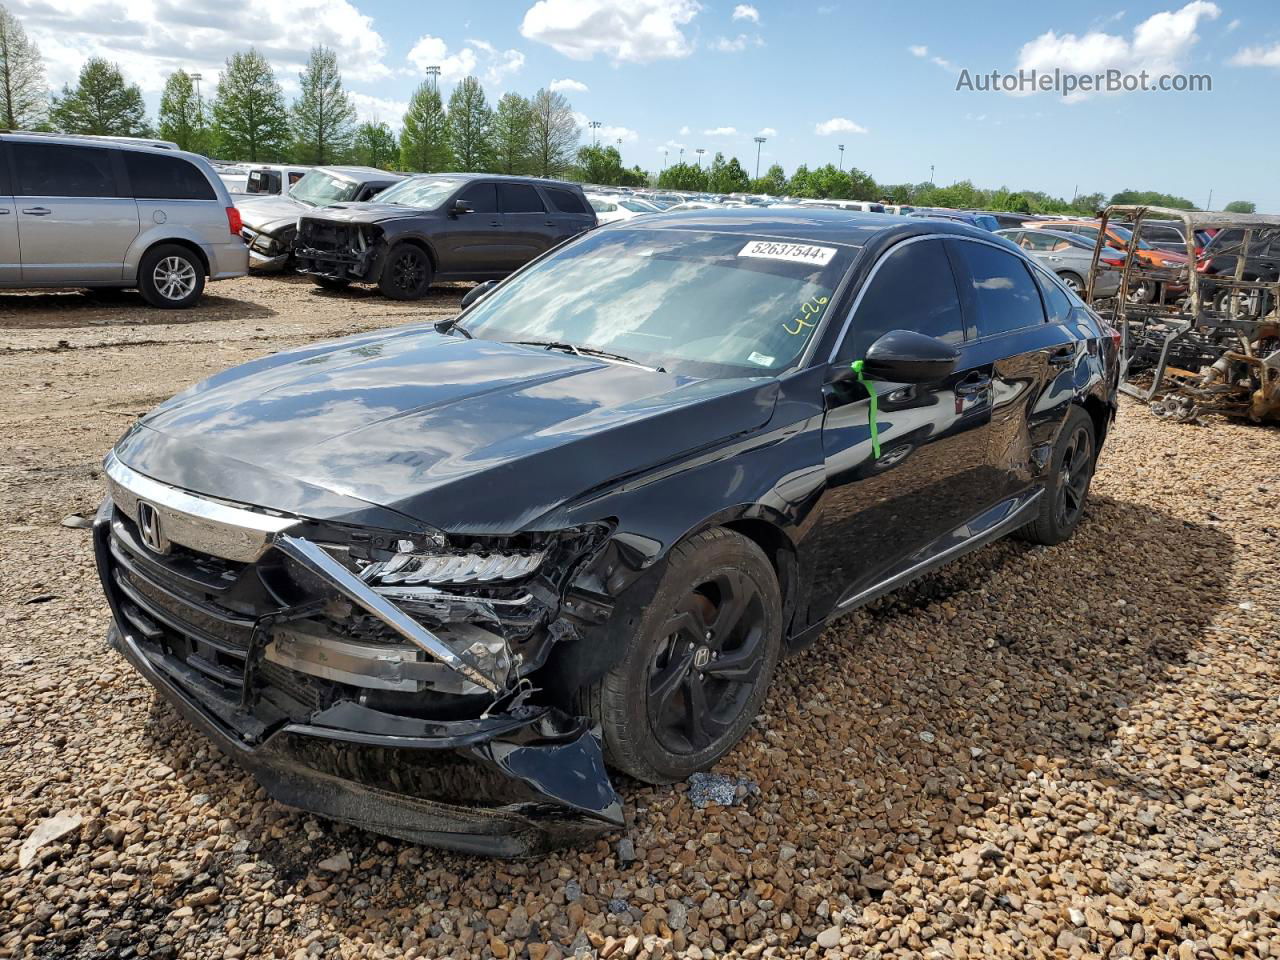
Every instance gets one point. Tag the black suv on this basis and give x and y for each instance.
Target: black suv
(431, 580)
(452, 226)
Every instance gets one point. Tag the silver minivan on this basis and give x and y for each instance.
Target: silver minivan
(107, 213)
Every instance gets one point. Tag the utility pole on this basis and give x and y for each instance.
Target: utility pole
(759, 144)
(1209, 204)
(841, 146)
(594, 125)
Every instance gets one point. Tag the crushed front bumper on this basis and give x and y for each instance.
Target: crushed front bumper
(513, 780)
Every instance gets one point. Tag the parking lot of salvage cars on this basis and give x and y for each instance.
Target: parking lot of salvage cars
(1076, 751)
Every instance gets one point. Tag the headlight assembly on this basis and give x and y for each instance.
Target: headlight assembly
(409, 567)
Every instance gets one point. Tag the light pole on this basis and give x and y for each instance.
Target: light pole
(759, 144)
(594, 125)
(197, 77)
(841, 146)
(664, 159)
(680, 159)
(699, 151)
(433, 75)
(931, 174)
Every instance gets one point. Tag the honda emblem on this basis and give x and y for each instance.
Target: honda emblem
(149, 528)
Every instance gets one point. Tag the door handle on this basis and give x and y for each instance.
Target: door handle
(37, 211)
(967, 388)
(495, 223)
(3, 211)
(1062, 357)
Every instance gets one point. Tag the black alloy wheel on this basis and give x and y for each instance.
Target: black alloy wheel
(1074, 475)
(406, 275)
(1066, 481)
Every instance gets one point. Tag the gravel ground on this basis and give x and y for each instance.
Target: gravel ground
(1034, 752)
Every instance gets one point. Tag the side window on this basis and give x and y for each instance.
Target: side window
(1037, 241)
(157, 177)
(482, 197)
(58, 170)
(295, 177)
(565, 201)
(1057, 305)
(1060, 246)
(914, 289)
(518, 198)
(1003, 291)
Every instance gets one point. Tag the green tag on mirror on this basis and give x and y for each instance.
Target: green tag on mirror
(873, 409)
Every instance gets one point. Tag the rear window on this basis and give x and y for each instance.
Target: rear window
(60, 170)
(157, 177)
(566, 201)
(518, 198)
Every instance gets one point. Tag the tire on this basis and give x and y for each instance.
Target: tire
(674, 650)
(1074, 282)
(1070, 471)
(170, 277)
(330, 283)
(406, 273)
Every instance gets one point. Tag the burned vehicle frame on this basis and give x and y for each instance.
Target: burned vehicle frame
(1215, 350)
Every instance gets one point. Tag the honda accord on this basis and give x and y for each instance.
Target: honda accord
(437, 580)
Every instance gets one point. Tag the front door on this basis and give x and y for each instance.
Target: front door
(10, 256)
(73, 222)
(471, 244)
(878, 512)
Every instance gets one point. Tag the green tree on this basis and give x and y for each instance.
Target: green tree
(512, 134)
(774, 181)
(683, 176)
(599, 164)
(553, 134)
(101, 103)
(1241, 206)
(249, 116)
(182, 115)
(375, 145)
(1089, 203)
(801, 183)
(471, 126)
(424, 133)
(24, 95)
(1152, 198)
(324, 118)
(727, 176)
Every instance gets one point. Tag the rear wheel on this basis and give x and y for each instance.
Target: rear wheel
(1073, 281)
(697, 666)
(330, 283)
(406, 275)
(1067, 487)
(171, 277)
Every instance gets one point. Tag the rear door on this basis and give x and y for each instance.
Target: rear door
(75, 222)
(10, 255)
(569, 214)
(527, 226)
(1031, 355)
(931, 475)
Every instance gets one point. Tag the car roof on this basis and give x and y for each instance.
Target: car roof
(352, 172)
(532, 181)
(806, 224)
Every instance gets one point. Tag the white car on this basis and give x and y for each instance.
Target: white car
(610, 209)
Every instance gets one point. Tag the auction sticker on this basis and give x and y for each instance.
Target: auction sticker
(795, 252)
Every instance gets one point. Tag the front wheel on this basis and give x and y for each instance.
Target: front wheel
(698, 663)
(1067, 487)
(406, 275)
(171, 277)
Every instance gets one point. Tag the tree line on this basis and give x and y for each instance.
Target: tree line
(248, 119)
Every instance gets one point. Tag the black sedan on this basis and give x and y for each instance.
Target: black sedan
(433, 580)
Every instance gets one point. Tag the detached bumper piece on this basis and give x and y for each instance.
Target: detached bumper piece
(391, 729)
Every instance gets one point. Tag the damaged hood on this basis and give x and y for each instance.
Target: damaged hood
(367, 212)
(266, 214)
(469, 436)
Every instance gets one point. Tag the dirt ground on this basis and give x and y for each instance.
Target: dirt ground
(1070, 751)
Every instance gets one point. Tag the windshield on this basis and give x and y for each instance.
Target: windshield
(696, 302)
(1125, 236)
(318, 189)
(425, 193)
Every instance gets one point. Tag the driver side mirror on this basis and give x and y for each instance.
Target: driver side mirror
(904, 356)
(478, 292)
(461, 207)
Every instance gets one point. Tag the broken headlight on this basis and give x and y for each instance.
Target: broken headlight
(412, 567)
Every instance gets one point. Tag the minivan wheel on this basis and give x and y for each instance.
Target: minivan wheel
(1067, 486)
(170, 277)
(406, 274)
(698, 663)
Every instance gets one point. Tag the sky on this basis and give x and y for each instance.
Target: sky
(808, 75)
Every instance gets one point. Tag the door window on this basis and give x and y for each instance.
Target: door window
(518, 198)
(914, 289)
(1057, 306)
(1038, 241)
(158, 177)
(1003, 291)
(565, 201)
(59, 170)
(482, 197)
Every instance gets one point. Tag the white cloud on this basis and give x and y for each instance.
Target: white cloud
(150, 39)
(605, 134)
(569, 86)
(1258, 56)
(745, 11)
(1233, 26)
(635, 31)
(767, 132)
(721, 132)
(477, 57)
(1158, 45)
(736, 44)
(684, 131)
(390, 112)
(918, 50)
(838, 125)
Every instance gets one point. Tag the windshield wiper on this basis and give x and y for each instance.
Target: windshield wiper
(452, 326)
(586, 352)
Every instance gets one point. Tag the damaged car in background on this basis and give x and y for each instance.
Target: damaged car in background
(269, 224)
(431, 227)
(436, 580)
